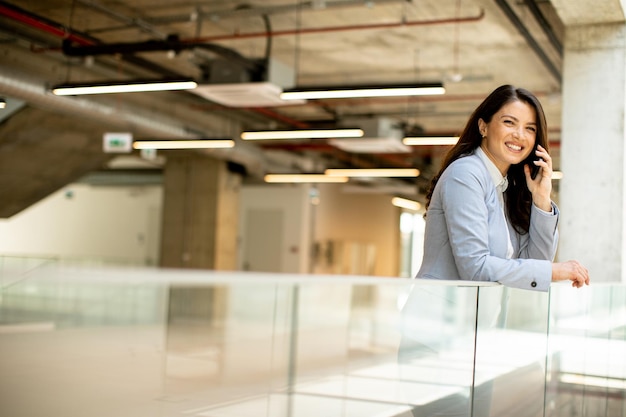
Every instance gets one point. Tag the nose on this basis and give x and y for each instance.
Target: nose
(518, 132)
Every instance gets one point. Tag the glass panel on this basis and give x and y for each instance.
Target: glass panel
(511, 342)
(78, 343)
(16, 268)
(587, 344)
(436, 351)
(81, 342)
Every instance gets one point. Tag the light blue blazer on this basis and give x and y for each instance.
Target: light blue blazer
(466, 238)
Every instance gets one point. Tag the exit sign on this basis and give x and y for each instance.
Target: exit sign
(121, 142)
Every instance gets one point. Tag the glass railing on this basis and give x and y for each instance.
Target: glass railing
(78, 342)
(587, 352)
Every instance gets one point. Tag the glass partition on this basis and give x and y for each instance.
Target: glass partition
(14, 268)
(587, 351)
(511, 342)
(78, 342)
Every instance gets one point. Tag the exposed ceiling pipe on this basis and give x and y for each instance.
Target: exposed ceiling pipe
(174, 44)
(545, 25)
(70, 35)
(37, 94)
(269, 10)
(133, 119)
(519, 25)
(171, 44)
(308, 31)
(58, 30)
(44, 24)
(140, 23)
(254, 11)
(81, 39)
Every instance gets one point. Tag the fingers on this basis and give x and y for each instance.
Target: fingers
(571, 271)
(545, 162)
(579, 275)
(543, 153)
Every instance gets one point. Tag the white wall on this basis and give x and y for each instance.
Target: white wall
(283, 243)
(121, 224)
(118, 224)
(365, 219)
(364, 228)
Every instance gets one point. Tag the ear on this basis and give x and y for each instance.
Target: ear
(482, 127)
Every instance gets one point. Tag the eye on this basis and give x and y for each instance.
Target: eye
(532, 129)
(508, 122)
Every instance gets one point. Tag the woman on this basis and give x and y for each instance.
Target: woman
(488, 218)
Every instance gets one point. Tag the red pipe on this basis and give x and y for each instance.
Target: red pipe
(62, 32)
(336, 29)
(56, 30)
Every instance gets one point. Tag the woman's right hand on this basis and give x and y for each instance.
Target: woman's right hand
(570, 270)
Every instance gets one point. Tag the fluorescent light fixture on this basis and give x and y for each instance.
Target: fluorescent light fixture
(303, 134)
(3, 103)
(406, 204)
(374, 172)
(430, 140)
(302, 178)
(123, 87)
(360, 91)
(183, 144)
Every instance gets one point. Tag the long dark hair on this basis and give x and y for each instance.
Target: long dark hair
(518, 198)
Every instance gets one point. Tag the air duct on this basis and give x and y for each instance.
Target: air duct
(233, 85)
(382, 135)
(231, 79)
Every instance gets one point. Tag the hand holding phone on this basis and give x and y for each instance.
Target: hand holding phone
(540, 188)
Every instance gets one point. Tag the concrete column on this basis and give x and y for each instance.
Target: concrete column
(592, 191)
(200, 213)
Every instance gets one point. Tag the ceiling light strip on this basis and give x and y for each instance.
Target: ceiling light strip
(116, 87)
(374, 172)
(362, 91)
(430, 140)
(184, 144)
(303, 178)
(303, 134)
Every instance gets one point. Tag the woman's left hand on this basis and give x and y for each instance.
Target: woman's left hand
(541, 186)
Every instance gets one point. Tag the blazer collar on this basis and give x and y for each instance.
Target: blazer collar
(499, 181)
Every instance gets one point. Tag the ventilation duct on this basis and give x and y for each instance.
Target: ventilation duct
(233, 85)
(230, 79)
(382, 135)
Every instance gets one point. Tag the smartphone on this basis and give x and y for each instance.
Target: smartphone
(534, 169)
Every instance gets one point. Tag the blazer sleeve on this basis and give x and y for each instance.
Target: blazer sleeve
(543, 236)
(463, 197)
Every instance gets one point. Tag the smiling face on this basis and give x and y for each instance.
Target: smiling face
(510, 135)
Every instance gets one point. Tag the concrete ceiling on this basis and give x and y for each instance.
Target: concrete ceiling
(472, 46)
